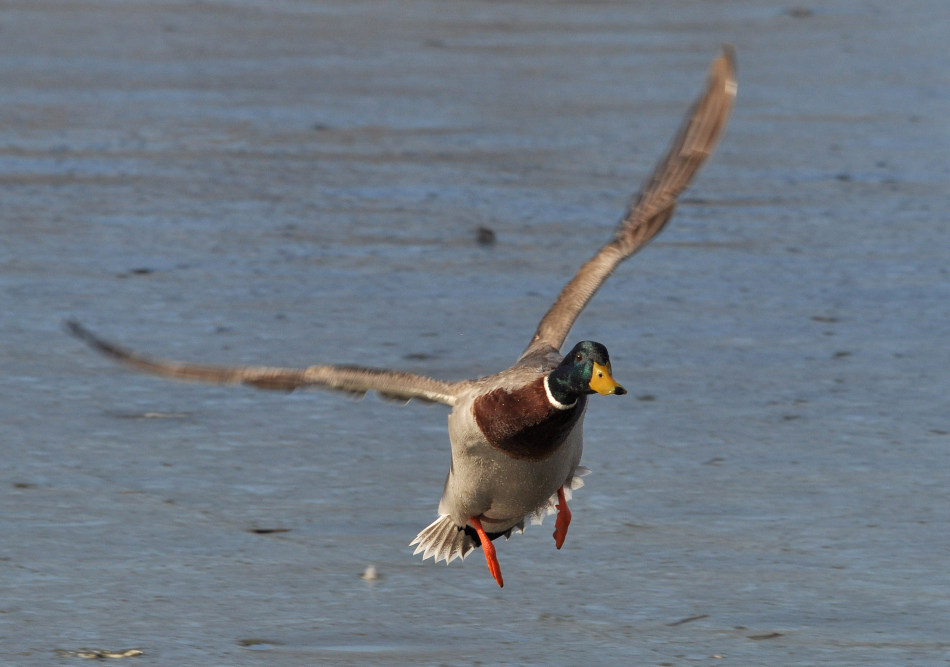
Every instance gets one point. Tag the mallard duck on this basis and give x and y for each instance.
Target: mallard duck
(517, 435)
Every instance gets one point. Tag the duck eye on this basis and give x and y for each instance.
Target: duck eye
(580, 357)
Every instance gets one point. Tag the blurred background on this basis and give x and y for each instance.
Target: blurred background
(409, 184)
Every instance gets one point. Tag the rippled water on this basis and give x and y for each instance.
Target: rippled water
(290, 183)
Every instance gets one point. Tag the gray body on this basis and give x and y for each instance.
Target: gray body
(487, 483)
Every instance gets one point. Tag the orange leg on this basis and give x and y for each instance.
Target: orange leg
(563, 519)
(489, 549)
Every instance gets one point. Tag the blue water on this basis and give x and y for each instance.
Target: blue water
(289, 183)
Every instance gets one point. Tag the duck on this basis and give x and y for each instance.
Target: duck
(516, 436)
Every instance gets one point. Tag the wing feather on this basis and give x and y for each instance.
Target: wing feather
(351, 379)
(652, 209)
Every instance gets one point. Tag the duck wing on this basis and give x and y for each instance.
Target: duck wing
(394, 385)
(652, 209)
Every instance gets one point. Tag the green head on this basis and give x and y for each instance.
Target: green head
(584, 370)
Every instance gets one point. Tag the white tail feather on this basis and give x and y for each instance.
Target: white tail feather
(444, 540)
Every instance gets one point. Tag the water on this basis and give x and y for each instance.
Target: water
(290, 183)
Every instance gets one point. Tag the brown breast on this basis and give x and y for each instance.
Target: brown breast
(523, 423)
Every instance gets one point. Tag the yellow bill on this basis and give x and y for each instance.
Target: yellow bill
(602, 383)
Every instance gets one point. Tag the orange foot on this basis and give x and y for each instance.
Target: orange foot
(489, 549)
(563, 519)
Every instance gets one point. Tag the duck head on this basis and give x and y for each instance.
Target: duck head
(584, 370)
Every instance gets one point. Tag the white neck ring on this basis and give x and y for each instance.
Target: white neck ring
(553, 401)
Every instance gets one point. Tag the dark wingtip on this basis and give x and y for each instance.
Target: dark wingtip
(82, 333)
(76, 329)
(729, 52)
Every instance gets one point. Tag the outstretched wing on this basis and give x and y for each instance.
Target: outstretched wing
(653, 208)
(351, 379)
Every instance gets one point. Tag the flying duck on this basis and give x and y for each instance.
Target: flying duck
(517, 435)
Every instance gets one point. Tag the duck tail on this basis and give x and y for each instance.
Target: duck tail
(444, 540)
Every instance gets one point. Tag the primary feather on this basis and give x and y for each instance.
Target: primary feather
(653, 207)
(350, 379)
